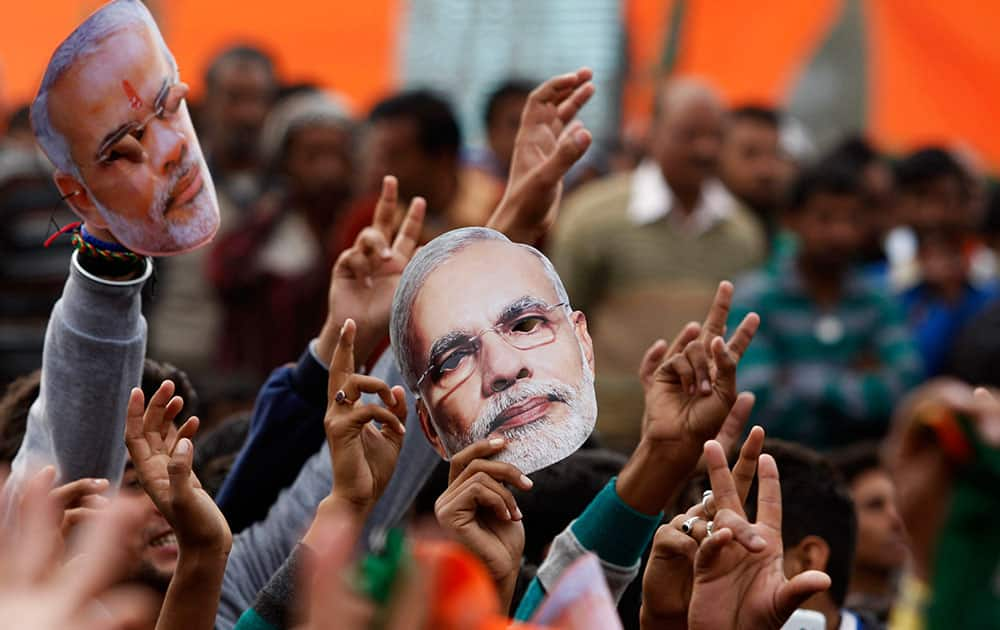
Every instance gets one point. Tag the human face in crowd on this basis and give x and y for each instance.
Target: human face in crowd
(830, 229)
(129, 132)
(750, 163)
(235, 106)
(319, 163)
(939, 202)
(503, 128)
(881, 535)
(392, 147)
(687, 136)
(540, 398)
(943, 264)
(158, 544)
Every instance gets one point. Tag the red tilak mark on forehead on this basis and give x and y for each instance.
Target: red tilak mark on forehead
(134, 100)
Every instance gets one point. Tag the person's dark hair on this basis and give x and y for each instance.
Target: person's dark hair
(155, 372)
(19, 120)
(437, 128)
(815, 501)
(241, 52)
(855, 460)
(833, 177)
(854, 150)
(22, 392)
(923, 166)
(507, 89)
(14, 406)
(216, 451)
(759, 114)
(560, 493)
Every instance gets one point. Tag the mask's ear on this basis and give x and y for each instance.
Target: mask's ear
(583, 335)
(429, 431)
(79, 200)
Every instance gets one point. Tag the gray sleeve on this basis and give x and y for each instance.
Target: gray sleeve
(261, 549)
(566, 549)
(95, 343)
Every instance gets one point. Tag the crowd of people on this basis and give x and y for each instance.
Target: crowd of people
(736, 382)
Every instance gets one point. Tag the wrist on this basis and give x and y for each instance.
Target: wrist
(655, 474)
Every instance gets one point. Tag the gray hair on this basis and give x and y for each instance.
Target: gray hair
(293, 113)
(85, 40)
(427, 260)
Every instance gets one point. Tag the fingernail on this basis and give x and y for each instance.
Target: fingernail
(517, 513)
(508, 514)
(706, 386)
(99, 482)
(495, 442)
(402, 429)
(526, 482)
(758, 542)
(581, 137)
(183, 446)
(343, 328)
(368, 282)
(387, 253)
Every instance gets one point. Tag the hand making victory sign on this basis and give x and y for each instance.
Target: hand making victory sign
(364, 455)
(693, 389)
(739, 577)
(365, 276)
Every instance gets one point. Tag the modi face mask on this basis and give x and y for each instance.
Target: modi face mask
(111, 116)
(484, 333)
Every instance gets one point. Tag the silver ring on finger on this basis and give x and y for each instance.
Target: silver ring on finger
(341, 398)
(709, 526)
(688, 525)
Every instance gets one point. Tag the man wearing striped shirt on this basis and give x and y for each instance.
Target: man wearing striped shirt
(833, 354)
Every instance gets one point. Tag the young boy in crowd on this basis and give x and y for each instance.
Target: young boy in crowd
(832, 355)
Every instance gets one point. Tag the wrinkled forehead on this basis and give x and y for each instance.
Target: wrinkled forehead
(473, 287)
(99, 92)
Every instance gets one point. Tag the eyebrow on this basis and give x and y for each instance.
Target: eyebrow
(119, 132)
(508, 313)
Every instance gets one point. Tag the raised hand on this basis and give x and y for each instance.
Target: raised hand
(548, 144)
(666, 584)
(37, 591)
(162, 457)
(365, 276)
(739, 578)
(481, 513)
(691, 392)
(364, 456)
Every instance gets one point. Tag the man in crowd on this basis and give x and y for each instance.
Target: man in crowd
(935, 197)
(833, 355)
(882, 549)
(750, 161)
(501, 119)
(240, 87)
(414, 136)
(642, 252)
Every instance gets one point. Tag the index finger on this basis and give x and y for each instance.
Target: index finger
(556, 86)
(718, 313)
(746, 465)
(387, 209)
(741, 339)
(723, 486)
(477, 450)
(768, 493)
(342, 363)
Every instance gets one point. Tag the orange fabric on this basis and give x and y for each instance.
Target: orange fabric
(347, 46)
(752, 49)
(648, 22)
(935, 74)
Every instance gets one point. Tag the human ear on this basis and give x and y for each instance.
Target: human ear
(79, 200)
(583, 335)
(814, 553)
(428, 427)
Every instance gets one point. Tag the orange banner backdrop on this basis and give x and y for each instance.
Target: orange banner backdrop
(935, 74)
(346, 46)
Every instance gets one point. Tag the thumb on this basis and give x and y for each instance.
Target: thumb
(797, 590)
(179, 468)
(572, 144)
